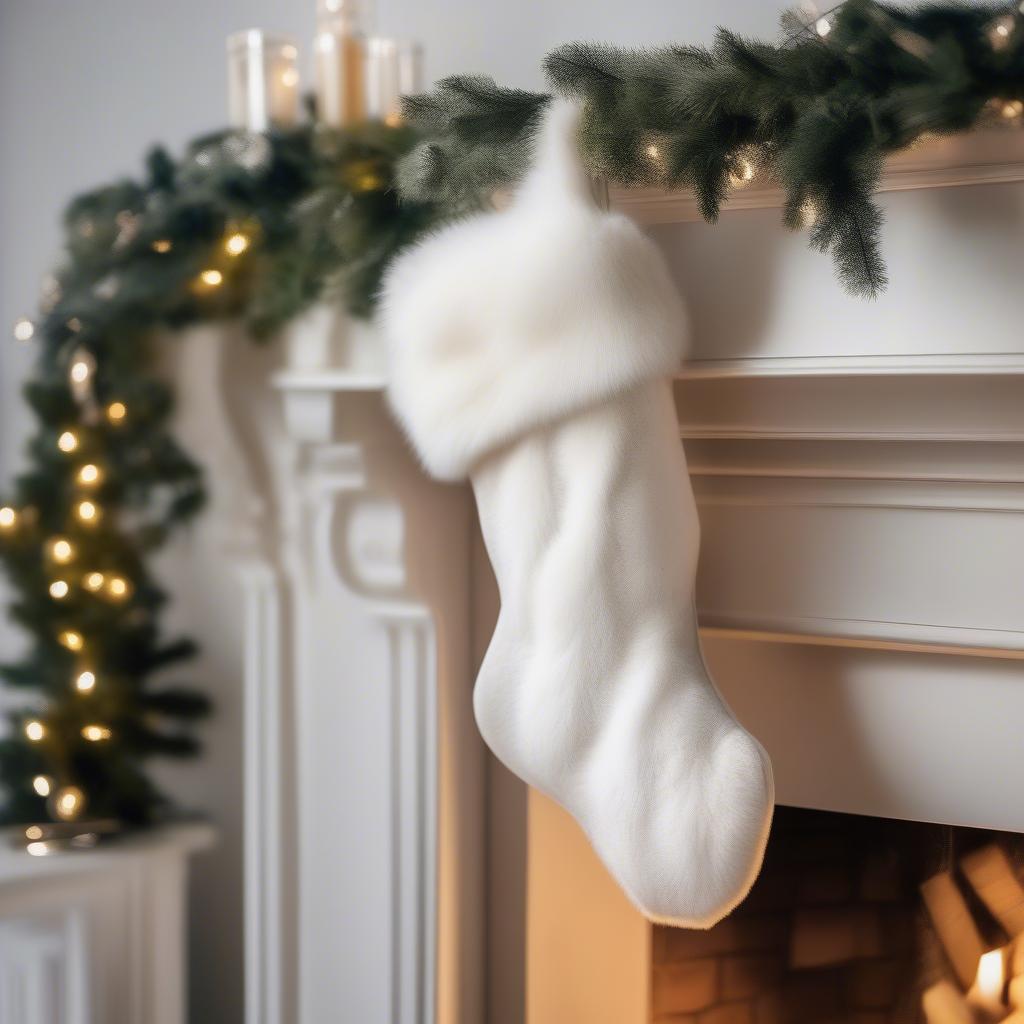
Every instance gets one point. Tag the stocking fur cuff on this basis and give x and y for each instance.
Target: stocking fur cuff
(511, 320)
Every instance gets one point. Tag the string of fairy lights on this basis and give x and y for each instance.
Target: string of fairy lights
(747, 163)
(61, 553)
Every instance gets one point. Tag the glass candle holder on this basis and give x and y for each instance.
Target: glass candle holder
(263, 81)
(339, 58)
(394, 68)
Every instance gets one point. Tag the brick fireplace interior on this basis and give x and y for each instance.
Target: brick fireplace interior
(860, 921)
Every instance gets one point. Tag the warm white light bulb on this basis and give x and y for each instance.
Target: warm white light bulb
(37, 849)
(116, 412)
(94, 581)
(89, 474)
(68, 802)
(8, 517)
(71, 640)
(808, 214)
(117, 587)
(68, 441)
(85, 681)
(211, 278)
(61, 550)
(95, 733)
(162, 245)
(35, 730)
(59, 589)
(87, 511)
(236, 244)
(743, 172)
(42, 785)
(24, 329)
(79, 371)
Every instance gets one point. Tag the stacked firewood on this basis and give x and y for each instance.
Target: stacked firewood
(989, 977)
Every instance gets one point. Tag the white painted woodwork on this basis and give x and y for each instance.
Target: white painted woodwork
(364, 773)
(97, 936)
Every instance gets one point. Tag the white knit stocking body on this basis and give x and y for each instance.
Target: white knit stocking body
(532, 351)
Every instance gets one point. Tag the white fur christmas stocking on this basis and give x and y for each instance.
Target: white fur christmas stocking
(531, 349)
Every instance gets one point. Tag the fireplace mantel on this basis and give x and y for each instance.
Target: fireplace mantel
(862, 513)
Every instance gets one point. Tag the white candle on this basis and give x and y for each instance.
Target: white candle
(263, 81)
(340, 52)
(393, 70)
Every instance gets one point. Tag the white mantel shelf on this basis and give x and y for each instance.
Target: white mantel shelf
(173, 840)
(97, 936)
(988, 157)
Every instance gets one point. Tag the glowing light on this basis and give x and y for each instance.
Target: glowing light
(71, 640)
(808, 214)
(743, 172)
(95, 733)
(1000, 32)
(211, 278)
(68, 441)
(236, 244)
(42, 784)
(35, 730)
(33, 832)
(61, 550)
(87, 511)
(37, 849)
(59, 589)
(289, 78)
(118, 587)
(987, 991)
(89, 474)
(68, 803)
(1012, 109)
(85, 681)
(94, 581)
(162, 245)
(823, 26)
(79, 372)
(8, 517)
(116, 412)
(24, 329)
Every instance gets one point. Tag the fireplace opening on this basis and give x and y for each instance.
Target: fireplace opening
(858, 920)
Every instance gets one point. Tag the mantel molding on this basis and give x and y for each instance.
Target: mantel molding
(988, 157)
(890, 364)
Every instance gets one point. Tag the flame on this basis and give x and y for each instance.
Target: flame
(991, 976)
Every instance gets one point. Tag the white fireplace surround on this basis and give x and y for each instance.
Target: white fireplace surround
(863, 552)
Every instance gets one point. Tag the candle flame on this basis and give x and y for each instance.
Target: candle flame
(991, 975)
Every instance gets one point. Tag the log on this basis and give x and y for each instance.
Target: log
(992, 877)
(943, 1004)
(954, 926)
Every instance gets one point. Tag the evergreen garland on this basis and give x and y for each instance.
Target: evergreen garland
(254, 227)
(817, 113)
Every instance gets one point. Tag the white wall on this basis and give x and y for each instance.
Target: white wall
(85, 88)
